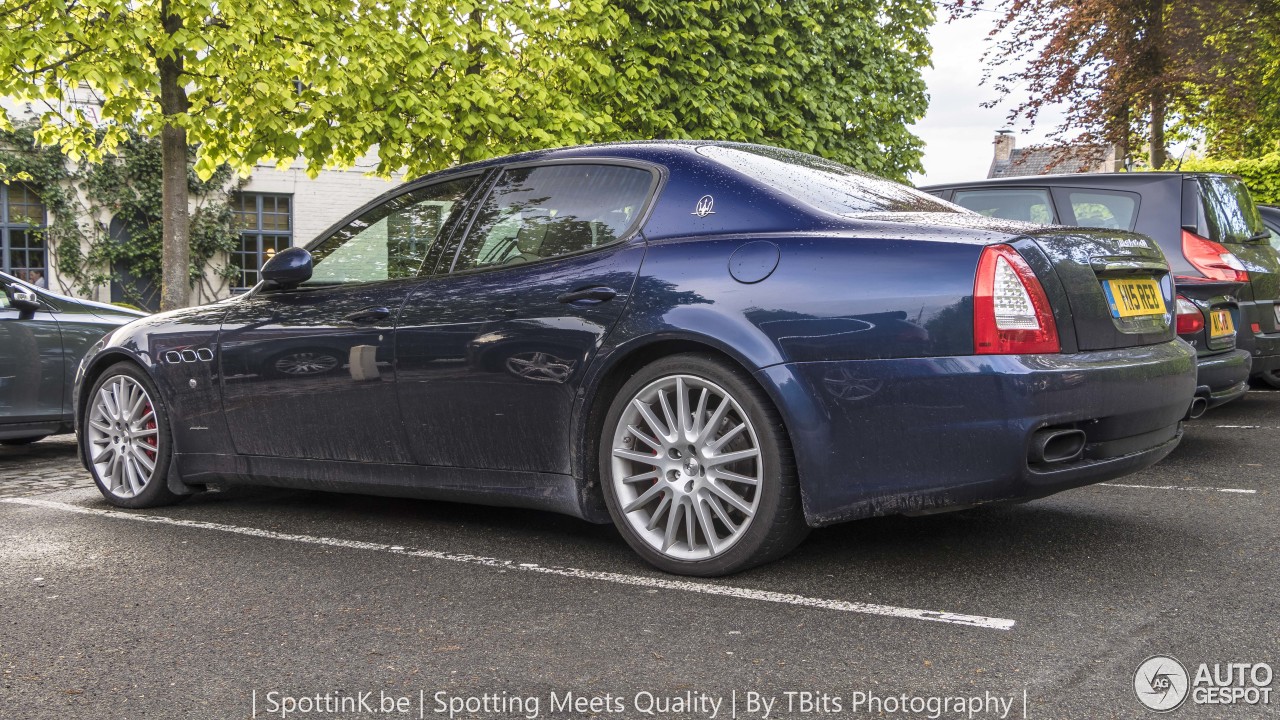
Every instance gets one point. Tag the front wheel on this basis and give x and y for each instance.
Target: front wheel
(697, 470)
(125, 435)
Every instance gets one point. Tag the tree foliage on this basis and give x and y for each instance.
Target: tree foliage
(839, 78)
(432, 83)
(247, 81)
(1124, 72)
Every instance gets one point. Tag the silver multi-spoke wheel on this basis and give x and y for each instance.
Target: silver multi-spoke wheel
(686, 467)
(123, 436)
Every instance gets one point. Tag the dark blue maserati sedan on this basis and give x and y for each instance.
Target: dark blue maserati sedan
(716, 346)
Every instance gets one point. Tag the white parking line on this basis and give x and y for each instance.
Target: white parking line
(989, 623)
(1178, 487)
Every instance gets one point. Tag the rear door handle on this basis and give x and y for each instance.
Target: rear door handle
(369, 314)
(593, 294)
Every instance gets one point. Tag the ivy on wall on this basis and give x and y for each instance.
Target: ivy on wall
(45, 169)
(88, 249)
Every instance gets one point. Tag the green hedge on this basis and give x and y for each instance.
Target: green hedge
(1262, 175)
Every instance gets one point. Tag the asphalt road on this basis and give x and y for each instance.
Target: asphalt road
(236, 602)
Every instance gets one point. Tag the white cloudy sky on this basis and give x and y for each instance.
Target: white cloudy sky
(957, 130)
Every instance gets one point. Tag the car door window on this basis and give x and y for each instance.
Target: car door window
(1112, 210)
(392, 240)
(1027, 204)
(546, 211)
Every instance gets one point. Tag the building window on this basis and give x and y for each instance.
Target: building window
(266, 227)
(22, 245)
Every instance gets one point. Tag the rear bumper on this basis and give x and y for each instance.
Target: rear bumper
(880, 437)
(1223, 377)
(1264, 348)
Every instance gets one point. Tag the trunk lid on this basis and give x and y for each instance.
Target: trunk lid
(1117, 285)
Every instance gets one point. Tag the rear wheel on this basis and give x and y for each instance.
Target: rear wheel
(125, 435)
(697, 470)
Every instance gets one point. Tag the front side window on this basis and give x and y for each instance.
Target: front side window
(391, 241)
(1026, 204)
(1100, 209)
(22, 247)
(266, 227)
(542, 212)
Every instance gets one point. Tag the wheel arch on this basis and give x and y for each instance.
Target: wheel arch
(609, 375)
(98, 365)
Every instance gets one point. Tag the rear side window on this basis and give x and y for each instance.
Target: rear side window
(551, 210)
(1100, 209)
(1026, 204)
(1228, 214)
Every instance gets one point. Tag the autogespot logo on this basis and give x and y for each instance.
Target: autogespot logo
(1161, 683)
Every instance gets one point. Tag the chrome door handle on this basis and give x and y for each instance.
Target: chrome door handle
(592, 294)
(369, 314)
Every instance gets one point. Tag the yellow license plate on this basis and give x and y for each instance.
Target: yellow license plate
(1134, 297)
(1221, 324)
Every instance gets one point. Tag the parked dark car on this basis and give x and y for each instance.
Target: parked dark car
(1271, 219)
(714, 345)
(43, 336)
(1207, 226)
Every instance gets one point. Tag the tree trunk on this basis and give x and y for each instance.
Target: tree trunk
(1159, 98)
(1158, 154)
(175, 261)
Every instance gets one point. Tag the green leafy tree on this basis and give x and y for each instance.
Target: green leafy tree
(839, 78)
(246, 81)
(1124, 72)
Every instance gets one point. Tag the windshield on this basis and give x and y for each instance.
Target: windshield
(824, 184)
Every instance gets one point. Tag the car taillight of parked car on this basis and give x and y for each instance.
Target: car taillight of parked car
(1190, 320)
(1212, 259)
(1011, 313)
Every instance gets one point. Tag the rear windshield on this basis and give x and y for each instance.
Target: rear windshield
(823, 184)
(1228, 214)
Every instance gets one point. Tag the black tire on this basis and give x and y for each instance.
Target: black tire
(1271, 379)
(23, 441)
(155, 491)
(778, 525)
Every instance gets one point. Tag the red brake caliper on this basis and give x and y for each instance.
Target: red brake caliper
(151, 425)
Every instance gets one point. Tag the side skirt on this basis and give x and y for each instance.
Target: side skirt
(497, 488)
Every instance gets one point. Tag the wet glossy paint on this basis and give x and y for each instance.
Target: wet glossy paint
(484, 386)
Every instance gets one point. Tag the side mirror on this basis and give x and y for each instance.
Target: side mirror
(21, 300)
(288, 268)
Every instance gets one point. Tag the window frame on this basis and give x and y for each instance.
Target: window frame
(7, 226)
(259, 234)
(658, 179)
(484, 177)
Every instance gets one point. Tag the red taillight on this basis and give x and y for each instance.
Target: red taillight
(1212, 259)
(1190, 319)
(1011, 313)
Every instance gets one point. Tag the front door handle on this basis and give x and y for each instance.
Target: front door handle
(593, 294)
(369, 314)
